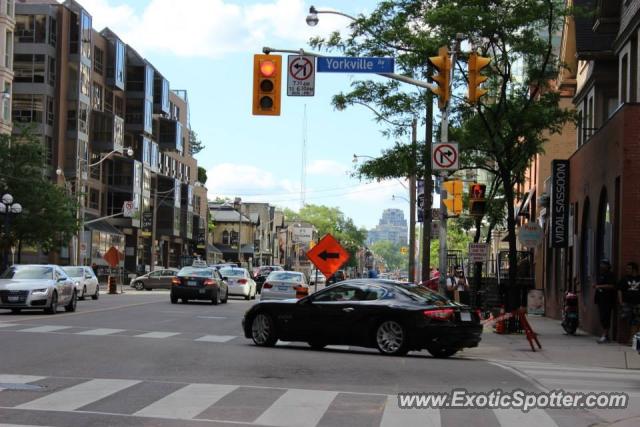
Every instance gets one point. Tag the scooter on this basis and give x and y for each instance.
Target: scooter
(570, 317)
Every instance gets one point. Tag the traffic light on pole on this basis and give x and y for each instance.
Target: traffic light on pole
(442, 63)
(476, 64)
(267, 76)
(477, 202)
(453, 201)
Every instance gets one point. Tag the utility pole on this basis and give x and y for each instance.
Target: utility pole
(153, 228)
(412, 206)
(428, 186)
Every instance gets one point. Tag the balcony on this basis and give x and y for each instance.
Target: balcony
(107, 132)
(161, 103)
(170, 137)
(139, 116)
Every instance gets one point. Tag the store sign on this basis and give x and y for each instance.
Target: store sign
(147, 224)
(201, 241)
(302, 234)
(559, 203)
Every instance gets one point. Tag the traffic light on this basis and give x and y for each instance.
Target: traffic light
(476, 64)
(267, 76)
(477, 202)
(442, 62)
(453, 201)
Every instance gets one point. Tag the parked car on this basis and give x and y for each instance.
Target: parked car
(159, 279)
(44, 287)
(284, 285)
(263, 272)
(85, 279)
(195, 283)
(239, 281)
(338, 276)
(321, 278)
(394, 317)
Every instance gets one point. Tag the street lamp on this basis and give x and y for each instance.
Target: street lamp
(8, 207)
(238, 204)
(312, 17)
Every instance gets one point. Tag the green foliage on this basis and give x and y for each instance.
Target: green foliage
(328, 220)
(390, 252)
(202, 175)
(195, 143)
(48, 217)
(457, 240)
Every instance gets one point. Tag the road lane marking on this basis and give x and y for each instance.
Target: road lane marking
(216, 338)
(394, 416)
(211, 317)
(157, 335)
(100, 331)
(297, 408)
(8, 325)
(186, 403)
(78, 396)
(45, 328)
(532, 418)
(18, 379)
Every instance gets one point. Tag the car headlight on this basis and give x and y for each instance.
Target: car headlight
(40, 291)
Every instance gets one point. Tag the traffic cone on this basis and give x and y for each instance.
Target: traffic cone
(500, 323)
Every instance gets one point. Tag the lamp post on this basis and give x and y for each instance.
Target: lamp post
(8, 207)
(238, 204)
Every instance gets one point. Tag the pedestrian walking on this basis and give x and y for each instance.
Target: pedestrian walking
(605, 297)
(629, 297)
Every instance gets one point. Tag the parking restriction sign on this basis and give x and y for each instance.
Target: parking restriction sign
(301, 75)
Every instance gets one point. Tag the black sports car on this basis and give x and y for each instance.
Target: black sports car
(395, 317)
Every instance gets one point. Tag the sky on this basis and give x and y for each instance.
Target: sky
(206, 47)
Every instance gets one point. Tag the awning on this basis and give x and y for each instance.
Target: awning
(213, 250)
(103, 227)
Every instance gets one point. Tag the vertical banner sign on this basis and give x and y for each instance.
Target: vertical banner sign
(420, 200)
(559, 203)
(147, 224)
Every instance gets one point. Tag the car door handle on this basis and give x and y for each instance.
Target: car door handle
(348, 309)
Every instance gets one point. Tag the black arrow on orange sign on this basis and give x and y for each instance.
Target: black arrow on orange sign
(328, 255)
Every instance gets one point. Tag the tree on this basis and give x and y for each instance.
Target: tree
(390, 252)
(202, 175)
(49, 214)
(500, 135)
(328, 220)
(195, 143)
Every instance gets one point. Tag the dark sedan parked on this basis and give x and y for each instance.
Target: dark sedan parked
(199, 283)
(394, 317)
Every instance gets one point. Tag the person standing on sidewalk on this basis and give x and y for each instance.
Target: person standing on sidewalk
(605, 298)
(629, 297)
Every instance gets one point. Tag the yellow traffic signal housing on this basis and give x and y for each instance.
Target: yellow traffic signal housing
(267, 78)
(453, 201)
(477, 202)
(442, 62)
(476, 64)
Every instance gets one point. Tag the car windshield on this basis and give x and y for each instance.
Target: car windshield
(31, 272)
(286, 275)
(232, 272)
(195, 272)
(420, 294)
(74, 271)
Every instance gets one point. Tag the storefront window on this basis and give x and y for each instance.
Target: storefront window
(585, 256)
(603, 242)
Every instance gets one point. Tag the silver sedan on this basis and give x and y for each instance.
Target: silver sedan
(44, 287)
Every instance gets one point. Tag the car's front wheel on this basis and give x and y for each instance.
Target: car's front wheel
(138, 286)
(215, 298)
(226, 297)
(53, 305)
(84, 291)
(442, 352)
(71, 306)
(391, 338)
(16, 310)
(263, 330)
(96, 294)
(317, 345)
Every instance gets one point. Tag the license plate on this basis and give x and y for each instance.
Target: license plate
(202, 291)
(465, 316)
(283, 288)
(192, 283)
(13, 298)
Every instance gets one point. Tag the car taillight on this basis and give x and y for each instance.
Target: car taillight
(209, 282)
(267, 285)
(439, 314)
(175, 281)
(242, 282)
(301, 291)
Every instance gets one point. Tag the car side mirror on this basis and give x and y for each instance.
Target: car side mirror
(61, 279)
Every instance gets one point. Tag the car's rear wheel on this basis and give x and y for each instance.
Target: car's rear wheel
(174, 299)
(248, 296)
(16, 310)
(391, 338)
(53, 305)
(263, 330)
(317, 345)
(71, 306)
(96, 294)
(442, 352)
(215, 298)
(226, 297)
(139, 286)
(84, 291)
(185, 300)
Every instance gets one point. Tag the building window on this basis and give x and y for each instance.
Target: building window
(31, 28)
(48, 151)
(98, 60)
(624, 79)
(29, 68)
(28, 108)
(585, 255)
(146, 151)
(604, 230)
(83, 118)
(225, 237)
(146, 180)
(53, 31)
(10, 8)
(50, 111)
(52, 72)
(6, 103)
(108, 100)
(234, 238)
(8, 49)
(96, 97)
(85, 80)
(118, 104)
(72, 119)
(94, 199)
(85, 34)
(148, 116)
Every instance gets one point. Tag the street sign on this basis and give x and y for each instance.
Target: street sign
(444, 156)
(530, 234)
(478, 252)
(328, 256)
(355, 65)
(128, 209)
(301, 76)
(147, 224)
(112, 257)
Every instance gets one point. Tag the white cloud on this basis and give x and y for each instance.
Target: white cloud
(211, 28)
(326, 168)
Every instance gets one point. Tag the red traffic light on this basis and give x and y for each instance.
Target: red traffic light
(477, 191)
(267, 68)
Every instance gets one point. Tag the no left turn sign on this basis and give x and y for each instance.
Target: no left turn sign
(444, 156)
(301, 75)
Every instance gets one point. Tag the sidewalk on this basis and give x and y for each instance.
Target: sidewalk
(557, 347)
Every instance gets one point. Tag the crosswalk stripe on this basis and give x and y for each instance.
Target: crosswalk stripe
(157, 335)
(19, 379)
(541, 373)
(100, 331)
(516, 417)
(587, 385)
(526, 366)
(18, 425)
(394, 416)
(46, 328)
(186, 403)
(7, 325)
(75, 397)
(216, 338)
(297, 408)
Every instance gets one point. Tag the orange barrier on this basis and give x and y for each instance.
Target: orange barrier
(113, 287)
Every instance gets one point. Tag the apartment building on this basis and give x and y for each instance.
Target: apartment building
(7, 28)
(114, 132)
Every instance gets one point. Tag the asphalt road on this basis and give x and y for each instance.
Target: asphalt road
(138, 360)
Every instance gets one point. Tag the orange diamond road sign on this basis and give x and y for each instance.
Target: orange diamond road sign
(112, 257)
(328, 256)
